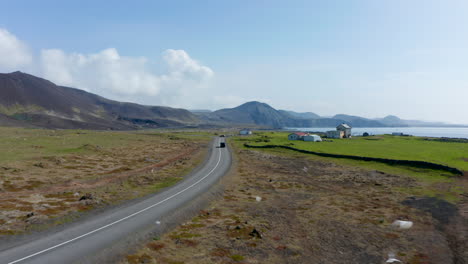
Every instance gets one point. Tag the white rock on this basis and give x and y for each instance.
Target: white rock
(158, 223)
(402, 224)
(392, 259)
(258, 198)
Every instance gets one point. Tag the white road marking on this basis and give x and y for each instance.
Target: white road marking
(122, 219)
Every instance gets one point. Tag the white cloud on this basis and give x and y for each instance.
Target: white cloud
(105, 72)
(109, 74)
(13, 53)
(112, 75)
(182, 66)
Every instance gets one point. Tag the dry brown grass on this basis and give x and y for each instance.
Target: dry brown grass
(155, 246)
(51, 186)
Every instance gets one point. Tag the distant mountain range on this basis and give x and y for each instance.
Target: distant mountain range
(26, 100)
(29, 101)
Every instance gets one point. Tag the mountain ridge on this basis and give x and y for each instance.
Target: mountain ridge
(30, 101)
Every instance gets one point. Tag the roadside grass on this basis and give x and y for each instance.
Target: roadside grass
(165, 183)
(386, 146)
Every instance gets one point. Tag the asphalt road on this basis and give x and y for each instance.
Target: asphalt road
(86, 238)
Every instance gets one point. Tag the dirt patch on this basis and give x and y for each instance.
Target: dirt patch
(441, 210)
(309, 211)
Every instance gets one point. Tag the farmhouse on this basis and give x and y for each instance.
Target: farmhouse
(335, 134)
(297, 136)
(245, 132)
(346, 129)
(342, 131)
(314, 138)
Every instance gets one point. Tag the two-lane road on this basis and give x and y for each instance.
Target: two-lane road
(88, 237)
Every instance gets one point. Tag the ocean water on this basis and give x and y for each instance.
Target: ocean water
(451, 132)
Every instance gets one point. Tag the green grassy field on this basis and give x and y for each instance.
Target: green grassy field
(392, 147)
(434, 183)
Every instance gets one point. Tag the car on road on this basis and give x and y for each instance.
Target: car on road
(222, 145)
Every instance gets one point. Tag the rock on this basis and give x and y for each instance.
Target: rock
(58, 161)
(400, 224)
(258, 199)
(40, 165)
(392, 259)
(87, 196)
(255, 233)
(31, 214)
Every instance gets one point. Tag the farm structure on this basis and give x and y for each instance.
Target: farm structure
(304, 136)
(342, 131)
(245, 132)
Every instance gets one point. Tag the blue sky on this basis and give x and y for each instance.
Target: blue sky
(368, 58)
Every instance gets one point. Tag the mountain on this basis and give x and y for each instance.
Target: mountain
(357, 121)
(261, 114)
(26, 100)
(29, 101)
(393, 121)
(253, 113)
(306, 115)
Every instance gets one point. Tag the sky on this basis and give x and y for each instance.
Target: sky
(359, 57)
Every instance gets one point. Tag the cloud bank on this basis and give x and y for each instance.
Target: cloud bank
(14, 54)
(110, 74)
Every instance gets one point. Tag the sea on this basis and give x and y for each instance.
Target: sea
(450, 132)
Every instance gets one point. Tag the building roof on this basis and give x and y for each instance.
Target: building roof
(301, 134)
(314, 136)
(344, 126)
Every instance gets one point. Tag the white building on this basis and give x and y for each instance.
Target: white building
(314, 138)
(297, 136)
(245, 132)
(335, 134)
(346, 129)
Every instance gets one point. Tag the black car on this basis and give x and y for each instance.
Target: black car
(222, 145)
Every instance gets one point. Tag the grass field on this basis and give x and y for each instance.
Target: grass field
(23, 144)
(45, 173)
(314, 210)
(452, 154)
(433, 183)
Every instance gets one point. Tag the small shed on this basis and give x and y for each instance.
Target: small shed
(297, 136)
(245, 132)
(335, 134)
(313, 138)
(346, 129)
